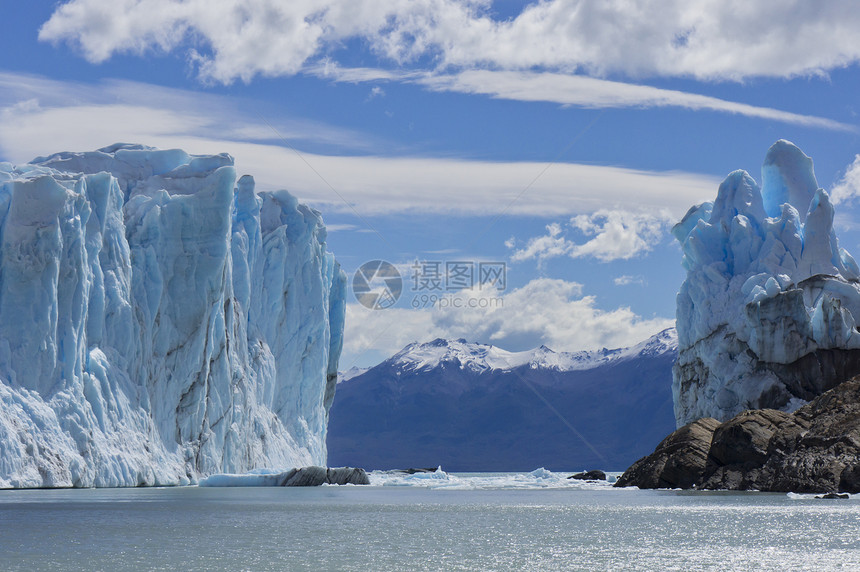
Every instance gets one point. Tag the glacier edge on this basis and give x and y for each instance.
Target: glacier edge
(159, 321)
(766, 314)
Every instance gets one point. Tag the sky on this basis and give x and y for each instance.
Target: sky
(558, 141)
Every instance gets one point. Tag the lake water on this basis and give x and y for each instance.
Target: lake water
(538, 521)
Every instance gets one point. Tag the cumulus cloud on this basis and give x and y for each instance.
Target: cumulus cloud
(705, 39)
(551, 245)
(375, 91)
(615, 235)
(544, 311)
(847, 188)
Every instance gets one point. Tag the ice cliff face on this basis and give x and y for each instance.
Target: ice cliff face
(766, 316)
(159, 321)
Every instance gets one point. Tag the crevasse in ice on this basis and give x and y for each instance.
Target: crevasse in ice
(766, 315)
(160, 321)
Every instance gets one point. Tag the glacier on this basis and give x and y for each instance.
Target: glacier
(766, 316)
(160, 321)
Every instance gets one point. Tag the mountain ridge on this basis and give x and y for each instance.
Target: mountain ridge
(474, 407)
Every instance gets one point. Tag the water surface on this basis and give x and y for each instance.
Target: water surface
(476, 522)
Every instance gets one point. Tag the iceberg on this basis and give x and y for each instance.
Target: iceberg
(160, 321)
(766, 317)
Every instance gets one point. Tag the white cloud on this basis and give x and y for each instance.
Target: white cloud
(705, 39)
(550, 245)
(375, 91)
(617, 235)
(544, 311)
(627, 280)
(847, 188)
(345, 228)
(116, 110)
(76, 116)
(600, 93)
(547, 53)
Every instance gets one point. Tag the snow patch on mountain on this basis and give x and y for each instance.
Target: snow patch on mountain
(483, 357)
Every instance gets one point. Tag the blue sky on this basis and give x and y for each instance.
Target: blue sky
(562, 138)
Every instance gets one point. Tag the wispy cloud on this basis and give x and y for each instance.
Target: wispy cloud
(370, 184)
(566, 89)
(591, 92)
(104, 110)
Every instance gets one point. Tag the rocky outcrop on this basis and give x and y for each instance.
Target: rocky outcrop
(315, 476)
(311, 476)
(814, 450)
(677, 463)
(596, 475)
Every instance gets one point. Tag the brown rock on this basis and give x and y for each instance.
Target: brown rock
(822, 452)
(740, 448)
(814, 450)
(595, 475)
(677, 462)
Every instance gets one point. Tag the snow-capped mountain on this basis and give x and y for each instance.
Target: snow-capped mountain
(476, 407)
(482, 357)
(159, 321)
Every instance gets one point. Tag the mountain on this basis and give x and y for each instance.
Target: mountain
(475, 407)
(159, 321)
(767, 315)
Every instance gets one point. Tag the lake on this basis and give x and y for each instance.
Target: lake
(532, 521)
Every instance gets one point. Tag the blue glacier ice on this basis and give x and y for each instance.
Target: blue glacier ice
(767, 314)
(160, 321)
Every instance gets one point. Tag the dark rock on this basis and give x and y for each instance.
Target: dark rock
(677, 462)
(595, 475)
(305, 477)
(814, 450)
(347, 476)
(834, 496)
(314, 476)
(849, 480)
(412, 471)
(743, 440)
(821, 453)
(739, 449)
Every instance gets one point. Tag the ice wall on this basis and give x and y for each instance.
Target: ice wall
(159, 321)
(766, 315)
